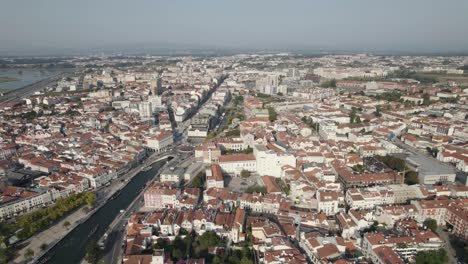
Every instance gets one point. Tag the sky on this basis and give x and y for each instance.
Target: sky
(55, 26)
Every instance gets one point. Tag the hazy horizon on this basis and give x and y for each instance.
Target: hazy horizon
(65, 27)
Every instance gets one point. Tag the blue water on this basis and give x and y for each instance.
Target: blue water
(25, 77)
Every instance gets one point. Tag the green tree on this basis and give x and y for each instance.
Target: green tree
(431, 224)
(93, 253)
(198, 182)
(90, 198)
(359, 168)
(426, 99)
(392, 96)
(378, 110)
(329, 84)
(177, 254)
(43, 246)
(5, 255)
(432, 257)
(256, 189)
(234, 259)
(209, 239)
(411, 177)
(29, 254)
(352, 115)
(245, 174)
(220, 259)
(66, 224)
(246, 260)
(272, 115)
(392, 162)
(40, 219)
(231, 133)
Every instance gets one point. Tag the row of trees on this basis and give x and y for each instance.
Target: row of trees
(329, 84)
(230, 151)
(392, 96)
(39, 220)
(412, 75)
(411, 177)
(256, 189)
(233, 133)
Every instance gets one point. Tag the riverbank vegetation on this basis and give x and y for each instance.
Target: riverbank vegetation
(28, 225)
(7, 79)
(39, 220)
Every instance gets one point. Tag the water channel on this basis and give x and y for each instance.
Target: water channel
(73, 247)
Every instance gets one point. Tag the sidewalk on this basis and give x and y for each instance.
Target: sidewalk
(52, 235)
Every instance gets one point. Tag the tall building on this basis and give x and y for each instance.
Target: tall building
(156, 86)
(145, 109)
(156, 102)
(293, 72)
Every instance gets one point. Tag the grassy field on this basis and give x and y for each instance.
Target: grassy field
(2, 90)
(442, 77)
(7, 79)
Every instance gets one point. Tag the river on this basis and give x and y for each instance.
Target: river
(25, 77)
(72, 248)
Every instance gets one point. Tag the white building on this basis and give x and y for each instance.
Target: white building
(214, 177)
(327, 202)
(22, 201)
(160, 142)
(234, 164)
(269, 162)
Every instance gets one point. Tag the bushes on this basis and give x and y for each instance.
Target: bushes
(256, 189)
(392, 96)
(329, 84)
(392, 162)
(233, 133)
(432, 257)
(191, 245)
(245, 174)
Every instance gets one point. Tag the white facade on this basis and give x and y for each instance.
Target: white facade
(235, 167)
(24, 205)
(160, 141)
(270, 163)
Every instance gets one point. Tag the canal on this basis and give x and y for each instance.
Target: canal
(72, 248)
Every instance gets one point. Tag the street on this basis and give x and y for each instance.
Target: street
(114, 244)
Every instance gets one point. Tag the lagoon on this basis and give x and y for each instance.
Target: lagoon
(24, 77)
